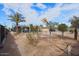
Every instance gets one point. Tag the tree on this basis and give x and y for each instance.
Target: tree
(31, 27)
(62, 28)
(52, 24)
(37, 29)
(75, 24)
(45, 21)
(17, 18)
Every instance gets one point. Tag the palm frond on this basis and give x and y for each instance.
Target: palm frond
(45, 20)
(75, 21)
(12, 18)
(17, 17)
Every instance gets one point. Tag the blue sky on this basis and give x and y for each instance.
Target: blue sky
(35, 12)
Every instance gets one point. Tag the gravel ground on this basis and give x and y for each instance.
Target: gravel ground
(47, 45)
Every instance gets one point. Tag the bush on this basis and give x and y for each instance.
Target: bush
(71, 31)
(62, 28)
(32, 40)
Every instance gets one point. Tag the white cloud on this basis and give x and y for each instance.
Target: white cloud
(52, 12)
(70, 7)
(73, 6)
(25, 9)
(32, 15)
(41, 6)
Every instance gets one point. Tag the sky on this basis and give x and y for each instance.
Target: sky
(35, 12)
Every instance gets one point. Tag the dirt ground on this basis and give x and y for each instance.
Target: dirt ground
(47, 45)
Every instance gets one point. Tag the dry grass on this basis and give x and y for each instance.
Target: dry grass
(29, 44)
(32, 39)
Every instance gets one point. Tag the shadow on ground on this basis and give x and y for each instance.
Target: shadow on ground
(74, 50)
(65, 37)
(10, 47)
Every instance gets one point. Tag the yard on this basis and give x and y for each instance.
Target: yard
(45, 45)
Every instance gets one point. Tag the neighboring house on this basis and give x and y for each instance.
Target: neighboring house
(72, 29)
(47, 29)
(21, 29)
(25, 29)
(44, 29)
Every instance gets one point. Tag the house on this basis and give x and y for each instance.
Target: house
(44, 29)
(47, 29)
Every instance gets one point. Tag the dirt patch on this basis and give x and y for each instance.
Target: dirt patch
(46, 46)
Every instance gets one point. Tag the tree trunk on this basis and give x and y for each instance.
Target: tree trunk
(50, 33)
(62, 35)
(29, 29)
(75, 33)
(16, 27)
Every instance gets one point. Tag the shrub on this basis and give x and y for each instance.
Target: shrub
(32, 40)
(62, 28)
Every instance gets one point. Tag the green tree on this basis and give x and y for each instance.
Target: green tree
(75, 24)
(37, 29)
(52, 24)
(62, 28)
(17, 18)
(31, 27)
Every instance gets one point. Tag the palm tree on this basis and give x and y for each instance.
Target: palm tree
(17, 18)
(62, 28)
(50, 25)
(75, 24)
(45, 21)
